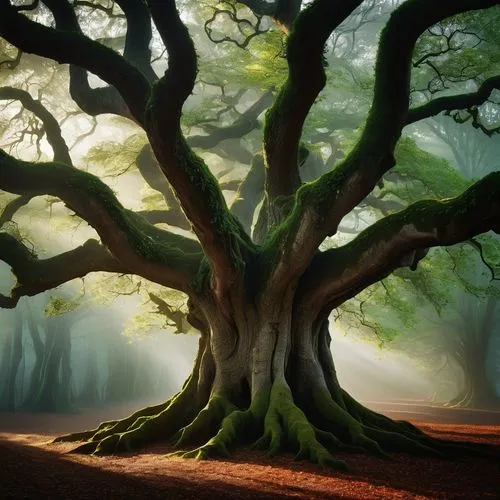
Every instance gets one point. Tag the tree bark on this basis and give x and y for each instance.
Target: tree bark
(263, 373)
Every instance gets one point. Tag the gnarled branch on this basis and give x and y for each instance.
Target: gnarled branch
(196, 188)
(54, 138)
(244, 124)
(306, 78)
(67, 44)
(37, 275)
(50, 124)
(138, 37)
(450, 103)
(12, 207)
(401, 239)
(157, 255)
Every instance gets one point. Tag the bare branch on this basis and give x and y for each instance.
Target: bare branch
(53, 132)
(476, 245)
(67, 44)
(177, 317)
(246, 29)
(12, 207)
(450, 103)
(110, 11)
(50, 124)
(244, 124)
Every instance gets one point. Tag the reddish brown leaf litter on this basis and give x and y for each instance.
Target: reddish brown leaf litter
(30, 468)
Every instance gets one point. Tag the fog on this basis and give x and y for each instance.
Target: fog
(109, 369)
(84, 362)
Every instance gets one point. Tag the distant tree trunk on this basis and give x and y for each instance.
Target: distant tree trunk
(39, 349)
(66, 374)
(144, 386)
(89, 394)
(477, 391)
(53, 392)
(5, 366)
(11, 358)
(121, 373)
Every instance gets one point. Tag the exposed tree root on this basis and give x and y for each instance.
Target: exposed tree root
(205, 423)
(159, 422)
(231, 429)
(287, 428)
(131, 433)
(106, 428)
(417, 442)
(275, 419)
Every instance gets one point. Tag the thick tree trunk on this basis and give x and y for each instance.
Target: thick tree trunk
(266, 375)
(477, 391)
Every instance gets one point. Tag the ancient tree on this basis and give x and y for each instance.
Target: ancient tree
(261, 301)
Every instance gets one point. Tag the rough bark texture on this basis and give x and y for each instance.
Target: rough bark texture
(263, 375)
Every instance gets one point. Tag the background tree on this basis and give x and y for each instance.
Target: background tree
(260, 301)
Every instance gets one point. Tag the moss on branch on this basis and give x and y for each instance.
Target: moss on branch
(161, 256)
(37, 275)
(340, 273)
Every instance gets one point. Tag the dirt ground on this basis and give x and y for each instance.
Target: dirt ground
(32, 468)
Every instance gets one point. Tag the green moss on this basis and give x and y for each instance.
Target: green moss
(153, 244)
(206, 422)
(201, 281)
(232, 431)
(343, 424)
(233, 424)
(286, 426)
(225, 226)
(427, 216)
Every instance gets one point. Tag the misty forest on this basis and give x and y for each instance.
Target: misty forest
(247, 220)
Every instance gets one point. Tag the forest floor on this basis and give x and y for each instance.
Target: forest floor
(32, 468)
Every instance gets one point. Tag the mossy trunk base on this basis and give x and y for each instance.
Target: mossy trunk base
(301, 409)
